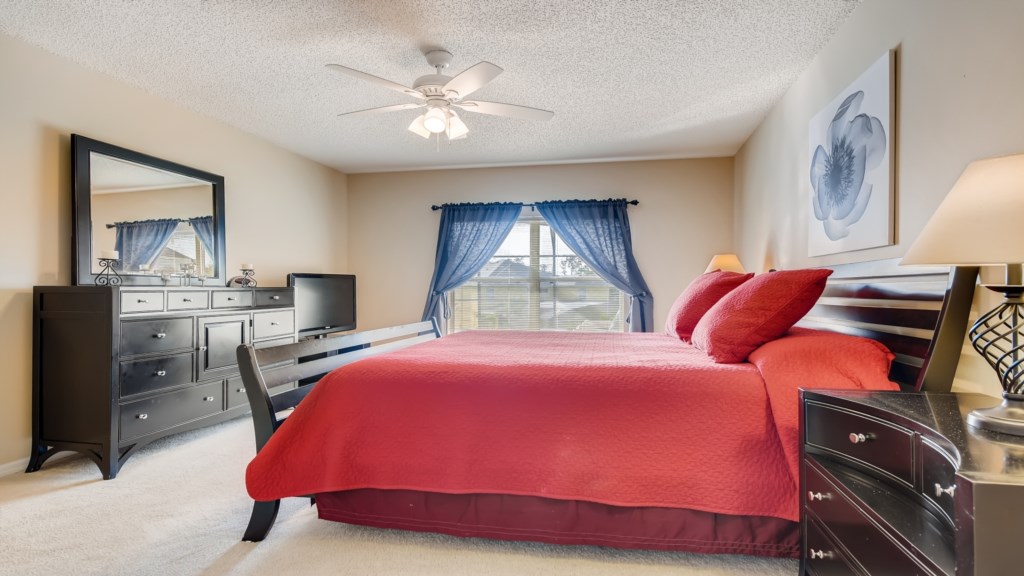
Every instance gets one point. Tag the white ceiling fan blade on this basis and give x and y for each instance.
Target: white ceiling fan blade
(375, 80)
(392, 108)
(510, 110)
(472, 79)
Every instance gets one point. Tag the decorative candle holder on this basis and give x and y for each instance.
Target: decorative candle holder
(248, 278)
(108, 275)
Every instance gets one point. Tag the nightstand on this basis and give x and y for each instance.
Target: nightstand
(898, 483)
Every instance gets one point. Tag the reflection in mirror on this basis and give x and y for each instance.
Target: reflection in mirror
(159, 222)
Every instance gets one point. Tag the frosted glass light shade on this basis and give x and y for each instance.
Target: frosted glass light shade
(435, 121)
(979, 222)
(417, 127)
(725, 262)
(456, 127)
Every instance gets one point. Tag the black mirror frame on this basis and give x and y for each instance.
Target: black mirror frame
(81, 206)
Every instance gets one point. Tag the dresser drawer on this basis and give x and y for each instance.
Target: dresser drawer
(154, 336)
(158, 413)
(232, 299)
(270, 324)
(237, 395)
(861, 439)
(188, 300)
(282, 297)
(866, 543)
(152, 374)
(133, 302)
(824, 558)
(938, 478)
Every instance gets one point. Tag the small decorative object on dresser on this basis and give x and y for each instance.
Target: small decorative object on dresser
(108, 275)
(978, 224)
(115, 368)
(897, 483)
(247, 279)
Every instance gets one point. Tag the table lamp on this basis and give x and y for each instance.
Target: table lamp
(979, 224)
(726, 263)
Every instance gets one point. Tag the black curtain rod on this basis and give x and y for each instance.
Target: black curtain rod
(436, 207)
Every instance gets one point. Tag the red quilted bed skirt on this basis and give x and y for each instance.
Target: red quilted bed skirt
(537, 519)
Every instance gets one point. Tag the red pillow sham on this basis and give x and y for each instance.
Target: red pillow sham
(698, 298)
(756, 312)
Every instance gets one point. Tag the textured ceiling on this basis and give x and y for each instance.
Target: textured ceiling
(626, 79)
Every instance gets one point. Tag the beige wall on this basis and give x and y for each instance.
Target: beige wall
(959, 84)
(685, 215)
(283, 212)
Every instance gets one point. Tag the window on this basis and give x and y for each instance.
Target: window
(535, 282)
(183, 250)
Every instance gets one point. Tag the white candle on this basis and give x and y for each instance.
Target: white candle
(110, 254)
(143, 267)
(248, 266)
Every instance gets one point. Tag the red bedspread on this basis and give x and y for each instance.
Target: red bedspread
(621, 419)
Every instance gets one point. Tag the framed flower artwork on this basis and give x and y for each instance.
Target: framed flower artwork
(851, 165)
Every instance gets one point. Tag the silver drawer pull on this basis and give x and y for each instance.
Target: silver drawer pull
(812, 496)
(160, 335)
(939, 490)
(202, 348)
(186, 299)
(143, 301)
(856, 438)
(232, 298)
(275, 323)
(820, 554)
(161, 373)
(142, 416)
(240, 390)
(208, 398)
(275, 297)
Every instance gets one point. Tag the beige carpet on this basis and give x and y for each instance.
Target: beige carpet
(179, 507)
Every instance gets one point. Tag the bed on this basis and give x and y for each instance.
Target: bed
(625, 440)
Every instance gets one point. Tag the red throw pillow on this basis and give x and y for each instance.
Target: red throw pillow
(759, 311)
(698, 298)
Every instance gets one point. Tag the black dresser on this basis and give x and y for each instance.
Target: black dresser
(898, 483)
(115, 368)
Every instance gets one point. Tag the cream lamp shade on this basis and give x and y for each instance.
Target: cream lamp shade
(725, 262)
(979, 222)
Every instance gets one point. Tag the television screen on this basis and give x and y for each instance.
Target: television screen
(324, 303)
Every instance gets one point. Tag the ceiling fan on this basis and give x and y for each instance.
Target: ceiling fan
(440, 94)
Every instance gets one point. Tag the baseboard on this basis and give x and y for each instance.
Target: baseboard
(20, 465)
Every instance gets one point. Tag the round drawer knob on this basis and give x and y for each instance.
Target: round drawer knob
(857, 438)
(208, 398)
(161, 373)
(232, 298)
(939, 490)
(820, 554)
(143, 301)
(275, 323)
(186, 299)
(812, 496)
(240, 390)
(160, 335)
(142, 416)
(275, 297)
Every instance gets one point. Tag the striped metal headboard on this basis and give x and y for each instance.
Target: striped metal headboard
(920, 313)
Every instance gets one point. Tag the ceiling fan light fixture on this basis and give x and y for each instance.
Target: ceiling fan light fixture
(435, 121)
(418, 128)
(456, 127)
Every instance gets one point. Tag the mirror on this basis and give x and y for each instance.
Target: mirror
(162, 222)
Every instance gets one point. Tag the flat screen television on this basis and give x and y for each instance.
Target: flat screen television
(324, 303)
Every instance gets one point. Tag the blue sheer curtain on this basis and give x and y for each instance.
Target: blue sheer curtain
(598, 231)
(467, 238)
(203, 227)
(140, 242)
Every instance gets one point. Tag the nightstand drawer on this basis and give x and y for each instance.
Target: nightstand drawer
(188, 300)
(133, 302)
(938, 478)
(867, 544)
(862, 439)
(151, 374)
(232, 299)
(824, 558)
(150, 336)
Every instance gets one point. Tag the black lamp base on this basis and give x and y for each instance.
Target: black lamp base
(1007, 418)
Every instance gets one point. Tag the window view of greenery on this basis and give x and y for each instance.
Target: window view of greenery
(535, 282)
